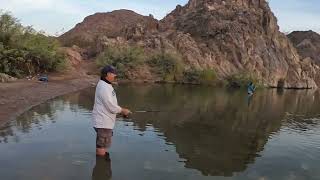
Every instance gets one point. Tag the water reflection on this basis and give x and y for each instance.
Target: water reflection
(102, 169)
(215, 131)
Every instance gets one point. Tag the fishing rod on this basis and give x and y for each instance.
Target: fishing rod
(144, 111)
(155, 111)
(147, 111)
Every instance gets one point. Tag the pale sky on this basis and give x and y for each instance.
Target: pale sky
(54, 16)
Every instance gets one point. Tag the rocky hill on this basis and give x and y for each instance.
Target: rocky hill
(307, 44)
(231, 37)
(101, 27)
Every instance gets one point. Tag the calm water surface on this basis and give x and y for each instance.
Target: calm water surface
(200, 133)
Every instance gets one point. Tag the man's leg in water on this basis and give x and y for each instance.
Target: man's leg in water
(101, 151)
(103, 141)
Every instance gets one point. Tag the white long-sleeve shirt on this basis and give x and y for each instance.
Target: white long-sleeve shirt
(105, 106)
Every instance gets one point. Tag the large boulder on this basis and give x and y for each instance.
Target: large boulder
(74, 54)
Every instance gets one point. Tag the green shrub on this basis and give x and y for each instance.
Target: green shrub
(242, 80)
(10, 29)
(191, 76)
(123, 58)
(167, 65)
(23, 51)
(206, 76)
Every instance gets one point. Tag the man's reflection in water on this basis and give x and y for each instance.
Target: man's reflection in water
(102, 169)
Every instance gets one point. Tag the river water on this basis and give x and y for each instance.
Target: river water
(200, 133)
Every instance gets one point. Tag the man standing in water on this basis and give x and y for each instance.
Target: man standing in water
(251, 88)
(105, 110)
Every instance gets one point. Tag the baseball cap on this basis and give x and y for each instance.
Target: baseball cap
(108, 69)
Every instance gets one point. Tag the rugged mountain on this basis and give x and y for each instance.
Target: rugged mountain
(110, 25)
(235, 36)
(229, 36)
(307, 44)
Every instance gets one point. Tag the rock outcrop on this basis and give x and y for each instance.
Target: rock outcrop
(74, 54)
(229, 36)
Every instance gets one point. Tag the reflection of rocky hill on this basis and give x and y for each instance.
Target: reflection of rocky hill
(216, 132)
(230, 37)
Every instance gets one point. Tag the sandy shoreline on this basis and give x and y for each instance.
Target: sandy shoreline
(18, 97)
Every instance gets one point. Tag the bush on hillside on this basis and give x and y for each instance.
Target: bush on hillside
(167, 65)
(24, 51)
(206, 76)
(242, 80)
(122, 58)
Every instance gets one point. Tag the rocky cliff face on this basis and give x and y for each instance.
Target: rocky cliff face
(307, 44)
(229, 36)
(235, 36)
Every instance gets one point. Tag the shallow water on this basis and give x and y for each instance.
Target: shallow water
(200, 133)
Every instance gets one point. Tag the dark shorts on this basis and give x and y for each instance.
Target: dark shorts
(104, 137)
